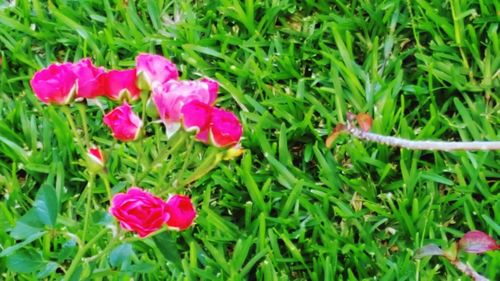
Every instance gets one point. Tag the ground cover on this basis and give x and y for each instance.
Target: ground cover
(288, 208)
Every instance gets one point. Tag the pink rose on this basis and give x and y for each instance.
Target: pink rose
(55, 84)
(119, 84)
(196, 117)
(212, 125)
(87, 73)
(154, 70)
(225, 129)
(139, 211)
(182, 212)
(123, 122)
(170, 97)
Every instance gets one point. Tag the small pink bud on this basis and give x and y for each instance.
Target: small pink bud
(123, 122)
(119, 84)
(96, 156)
(87, 73)
(182, 212)
(139, 211)
(154, 70)
(477, 242)
(55, 84)
(225, 128)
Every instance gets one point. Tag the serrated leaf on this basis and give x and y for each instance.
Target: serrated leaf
(167, 246)
(27, 225)
(429, 250)
(477, 242)
(46, 205)
(18, 246)
(47, 270)
(25, 261)
(121, 255)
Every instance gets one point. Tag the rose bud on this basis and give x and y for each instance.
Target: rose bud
(124, 123)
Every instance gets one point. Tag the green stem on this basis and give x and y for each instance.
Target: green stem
(66, 110)
(79, 255)
(106, 185)
(90, 186)
(83, 115)
(164, 154)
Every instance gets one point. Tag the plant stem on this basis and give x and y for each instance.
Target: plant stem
(87, 205)
(79, 255)
(164, 154)
(423, 145)
(469, 271)
(66, 110)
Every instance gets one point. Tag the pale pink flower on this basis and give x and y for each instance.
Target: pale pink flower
(123, 122)
(170, 97)
(154, 70)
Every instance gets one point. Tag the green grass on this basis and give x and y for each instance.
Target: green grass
(289, 208)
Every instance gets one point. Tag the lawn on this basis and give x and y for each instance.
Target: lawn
(289, 207)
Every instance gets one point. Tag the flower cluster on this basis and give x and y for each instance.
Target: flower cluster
(144, 213)
(179, 103)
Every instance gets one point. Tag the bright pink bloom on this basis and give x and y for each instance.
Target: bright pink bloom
(182, 212)
(196, 117)
(139, 211)
(155, 70)
(123, 122)
(170, 97)
(221, 128)
(87, 73)
(225, 128)
(55, 84)
(120, 84)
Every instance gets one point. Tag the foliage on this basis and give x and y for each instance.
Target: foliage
(289, 208)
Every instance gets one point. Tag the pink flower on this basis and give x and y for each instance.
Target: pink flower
(225, 129)
(55, 84)
(87, 73)
(196, 117)
(139, 211)
(182, 212)
(170, 97)
(154, 70)
(120, 84)
(213, 125)
(123, 122)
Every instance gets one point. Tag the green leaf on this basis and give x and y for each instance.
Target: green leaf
(47, 270)
(25, 261)
(28, 224)
(46, 205)
(18, 246)
(168, 247)
(121, 255)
